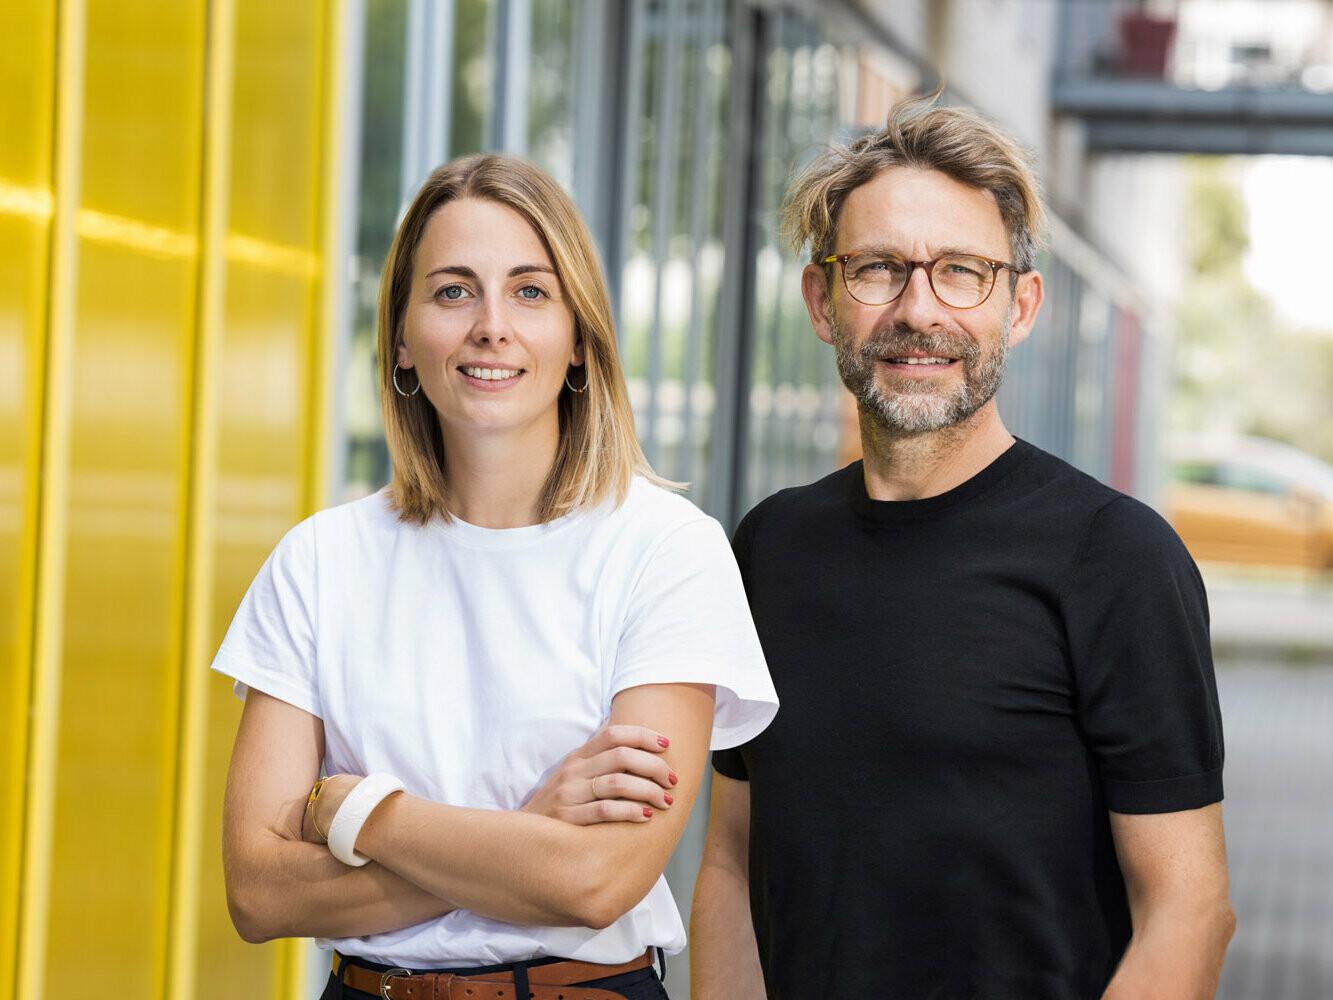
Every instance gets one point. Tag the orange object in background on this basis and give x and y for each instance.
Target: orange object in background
(1248, 500)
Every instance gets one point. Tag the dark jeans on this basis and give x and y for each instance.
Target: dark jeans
(640, 985)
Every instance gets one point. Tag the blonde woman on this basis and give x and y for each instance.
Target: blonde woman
(524, 586)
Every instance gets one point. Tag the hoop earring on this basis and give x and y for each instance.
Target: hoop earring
(571, 388)
(400, 388)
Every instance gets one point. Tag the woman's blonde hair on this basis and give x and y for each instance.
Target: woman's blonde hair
(597, 454)
(958, 142)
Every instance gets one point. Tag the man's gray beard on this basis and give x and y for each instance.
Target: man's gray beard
(918, 405)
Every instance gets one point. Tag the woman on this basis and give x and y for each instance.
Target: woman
(524, 585)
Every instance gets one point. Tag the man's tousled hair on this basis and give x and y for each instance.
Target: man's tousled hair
(958, 142)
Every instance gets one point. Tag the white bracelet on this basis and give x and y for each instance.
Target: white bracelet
(353, 813)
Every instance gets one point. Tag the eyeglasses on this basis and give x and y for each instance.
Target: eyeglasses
(959, 280)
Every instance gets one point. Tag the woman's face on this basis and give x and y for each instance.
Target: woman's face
(487, 328)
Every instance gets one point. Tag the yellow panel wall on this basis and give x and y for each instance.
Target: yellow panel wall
(27, 60)
(130, 414)
(162, 342)
(264, 382)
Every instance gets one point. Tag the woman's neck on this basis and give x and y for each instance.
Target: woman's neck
(496, 479)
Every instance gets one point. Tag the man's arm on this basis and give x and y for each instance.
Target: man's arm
(724, 958)
(1175, 869)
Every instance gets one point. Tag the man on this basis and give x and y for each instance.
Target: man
(996, 772)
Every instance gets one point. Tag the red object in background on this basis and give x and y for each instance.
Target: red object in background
(1145, 44)
(1124, 394)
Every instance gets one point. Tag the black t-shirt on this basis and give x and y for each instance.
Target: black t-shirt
(968, 683)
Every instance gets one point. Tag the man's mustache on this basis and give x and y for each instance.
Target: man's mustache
(898, 343)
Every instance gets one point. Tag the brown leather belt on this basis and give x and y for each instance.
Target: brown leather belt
(553, 981)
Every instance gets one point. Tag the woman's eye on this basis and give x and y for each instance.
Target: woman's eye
(532, 293)
(452, 293)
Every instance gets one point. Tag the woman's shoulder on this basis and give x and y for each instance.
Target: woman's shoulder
(652, 517)
(370, 516)
(656, 508)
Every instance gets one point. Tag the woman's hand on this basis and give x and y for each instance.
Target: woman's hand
(617, 776)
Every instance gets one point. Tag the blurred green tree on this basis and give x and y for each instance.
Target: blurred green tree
(1238, 365)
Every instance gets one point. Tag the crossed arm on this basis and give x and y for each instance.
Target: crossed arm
(530, 866)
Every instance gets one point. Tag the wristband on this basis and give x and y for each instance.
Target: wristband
(353, 813)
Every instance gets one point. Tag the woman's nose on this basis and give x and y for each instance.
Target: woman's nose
(492, 323)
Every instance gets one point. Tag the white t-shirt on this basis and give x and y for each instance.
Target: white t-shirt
(470, 661)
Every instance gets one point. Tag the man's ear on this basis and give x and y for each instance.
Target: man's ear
(815, 291)
(1028, 297)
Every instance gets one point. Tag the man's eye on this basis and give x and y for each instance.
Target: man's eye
(964, 271)
(876, 266)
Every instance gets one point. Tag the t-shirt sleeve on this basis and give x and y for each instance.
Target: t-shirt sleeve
(730, 762)
(270, 645)
(1137, 621)
(688, 622)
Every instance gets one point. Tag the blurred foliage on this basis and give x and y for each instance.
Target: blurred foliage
(1239, 365)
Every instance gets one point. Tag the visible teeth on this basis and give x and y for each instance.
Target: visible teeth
(920, 361)
(491, 374)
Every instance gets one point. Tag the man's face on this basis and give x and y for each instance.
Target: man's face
(914, 402)
(916, 364)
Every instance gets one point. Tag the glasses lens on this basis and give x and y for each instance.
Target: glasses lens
(875, 278)
(962, 281)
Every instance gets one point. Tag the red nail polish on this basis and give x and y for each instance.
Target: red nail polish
(671, 777)
(647, 811)
(663, 742)
(668, 799)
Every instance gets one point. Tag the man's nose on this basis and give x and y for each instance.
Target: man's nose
(917, 306)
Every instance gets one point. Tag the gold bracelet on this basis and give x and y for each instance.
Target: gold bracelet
(314, 794)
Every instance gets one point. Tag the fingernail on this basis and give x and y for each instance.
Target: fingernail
(663, 742)
(668, 799)
(647, 811)
(671, 777)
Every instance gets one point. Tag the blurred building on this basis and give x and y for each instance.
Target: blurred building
(195, 199)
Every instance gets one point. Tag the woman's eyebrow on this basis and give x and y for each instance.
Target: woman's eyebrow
(467, 272)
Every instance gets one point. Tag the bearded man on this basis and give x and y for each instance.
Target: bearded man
(997, 771)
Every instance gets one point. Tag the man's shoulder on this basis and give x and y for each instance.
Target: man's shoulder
(811, 500)
(1054, 481)
(1105, 514)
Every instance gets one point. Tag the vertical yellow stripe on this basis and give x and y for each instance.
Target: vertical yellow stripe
(52, 506)
(188, 842)
(32, 51)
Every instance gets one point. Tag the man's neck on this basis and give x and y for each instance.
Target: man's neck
(912, 466)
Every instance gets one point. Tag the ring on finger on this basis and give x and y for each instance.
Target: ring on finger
(594, 787)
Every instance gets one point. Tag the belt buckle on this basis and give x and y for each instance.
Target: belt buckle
(391, 974)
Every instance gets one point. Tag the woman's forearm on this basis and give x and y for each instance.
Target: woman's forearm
(512, 866)
(279, 887)
(532, 869)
